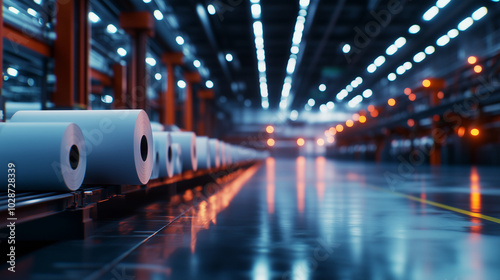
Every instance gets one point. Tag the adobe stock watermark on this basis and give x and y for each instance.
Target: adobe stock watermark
(372, 29)
(455, 118)
(322, 252)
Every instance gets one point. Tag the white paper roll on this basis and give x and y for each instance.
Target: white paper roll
(155, 173)
(156, 126)
(203, 152)
(119, 143)
(163, 141)
(47, 157)
(177, 158)
(214, 153)
(187, 141)
(222, 153)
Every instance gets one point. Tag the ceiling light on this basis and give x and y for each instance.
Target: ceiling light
(181, 84)
(431, 13)
(323, 108)
(401, 41)
(371, 68)
(311, 102)
(465, 24)
(197, 63)
(442, 3)
(452, 33)
(229, 57)
(111, 29)
(158, 14)
(12, 72)
(419, 57)
(256, 10)
(211, 9)
(392, 49)
(294, 115)
(179, 40)
(322, 87)
(32, 12)
(121, 52)
(209, 84)
(443, 40)
(414, 29)
(151, 61)
(92, 17)
(430, 50)
(349, 88)
(367, 93)
(379, 61)
(391, 77)
(346, 48)
(407, 65)
(330, 105)
(479, 13)
(158, 76)
(16, 11)
(401, 70)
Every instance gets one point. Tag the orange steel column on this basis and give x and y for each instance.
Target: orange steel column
(203, 120)
(120, 86)
(83, 52)
(191, 79)
(168, 99)
(139, 25)
(3, 117)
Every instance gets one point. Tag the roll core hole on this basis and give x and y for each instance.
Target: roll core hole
(144, 148)
(157, 157)
(169, 153)
(194, 151)
(74, 157)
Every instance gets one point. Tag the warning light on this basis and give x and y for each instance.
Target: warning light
(412, 97)
(349, 123)
(436, 118)
(271, 142)
(339, 128)
(391, 102)
(440, 95)
(426, 83)
(371, 108)
(407, 91)
(320, 142)
(461, 131)
(362, 119)
(472, 60)
(374, 113)
(478, 69)
(410, 122)
(474, 132)
(301, 142)
(269, 129)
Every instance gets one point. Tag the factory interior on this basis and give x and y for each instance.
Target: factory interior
(249, 139)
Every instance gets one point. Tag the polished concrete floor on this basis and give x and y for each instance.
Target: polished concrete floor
(303, 218)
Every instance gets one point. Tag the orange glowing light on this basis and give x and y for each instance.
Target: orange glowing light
(327, 133)
(410, 122)
(407, 91)
(362, 119)
(349, 123)
(269, 129)
(332, 130)
(301, 142)
(339, 128)
(320, 142)
(391, 102)
(472, 60)
(440, 95)
(426, 83)
(371, 108)
(478, 69)
(436, 118)
(461, 131)
(355, 117)
(271, 142)
(374, 113)
(474, 132)
(301, 183)
(330, 140)
(412, 97)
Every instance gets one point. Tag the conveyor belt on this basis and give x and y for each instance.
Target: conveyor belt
(31, 206)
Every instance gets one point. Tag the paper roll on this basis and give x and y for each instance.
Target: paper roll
(177, 158)
(47, 157)
(156, 126)
(222, 153)
(187, 141)
(163, 141)
(119, 143)
(155, 173)
(203, 152)
(214, 153)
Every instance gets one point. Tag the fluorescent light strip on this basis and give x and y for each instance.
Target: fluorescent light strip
(258, 31)
(294, 50)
